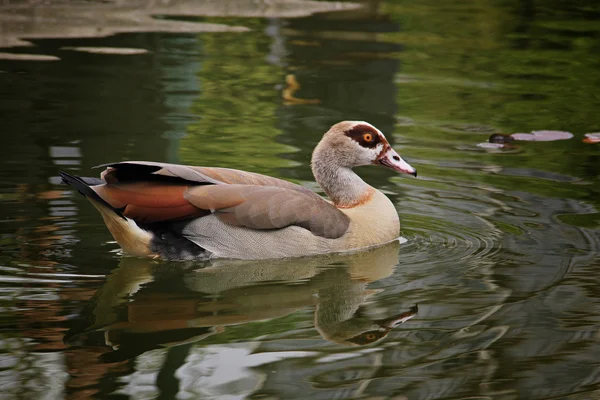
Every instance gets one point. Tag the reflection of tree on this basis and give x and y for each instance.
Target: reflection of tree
(236, 101)
(339, 60)
(514, 67)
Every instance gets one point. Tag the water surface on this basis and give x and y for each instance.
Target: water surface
(494, 294)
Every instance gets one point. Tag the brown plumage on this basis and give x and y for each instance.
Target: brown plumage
(187, 212)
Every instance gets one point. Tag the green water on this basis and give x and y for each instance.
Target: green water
(498, 279)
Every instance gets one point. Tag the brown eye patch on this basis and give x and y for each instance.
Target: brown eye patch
(364, 135)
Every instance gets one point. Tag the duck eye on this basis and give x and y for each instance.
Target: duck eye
(367, 137)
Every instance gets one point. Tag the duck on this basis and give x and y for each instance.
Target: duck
(180, 212)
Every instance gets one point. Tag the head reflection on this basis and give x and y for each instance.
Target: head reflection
(145, 305)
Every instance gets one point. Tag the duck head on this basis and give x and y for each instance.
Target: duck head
(351, 144)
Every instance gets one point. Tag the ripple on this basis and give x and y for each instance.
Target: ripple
(441, 241)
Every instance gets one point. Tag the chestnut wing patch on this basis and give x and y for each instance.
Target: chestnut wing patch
(149, 202)
(268, 207)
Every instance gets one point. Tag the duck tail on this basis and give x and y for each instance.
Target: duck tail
(132, 239)
(84, 186)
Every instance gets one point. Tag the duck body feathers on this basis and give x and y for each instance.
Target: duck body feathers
(187, 212)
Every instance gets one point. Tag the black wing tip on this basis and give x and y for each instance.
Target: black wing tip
(73, 180)
(84, 188)
(70, 179)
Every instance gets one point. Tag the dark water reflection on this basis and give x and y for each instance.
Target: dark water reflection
(501, 252)
(171, 303)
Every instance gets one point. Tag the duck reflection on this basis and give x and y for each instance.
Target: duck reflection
(145, 305)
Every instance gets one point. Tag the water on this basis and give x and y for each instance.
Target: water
(497, 282)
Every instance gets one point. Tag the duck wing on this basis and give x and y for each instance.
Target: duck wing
(149, 192)
(269, 207)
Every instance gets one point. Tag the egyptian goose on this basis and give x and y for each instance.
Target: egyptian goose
(179, 212)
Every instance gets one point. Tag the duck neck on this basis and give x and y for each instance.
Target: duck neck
(341, 184)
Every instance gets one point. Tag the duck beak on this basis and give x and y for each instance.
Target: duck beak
(392, 160)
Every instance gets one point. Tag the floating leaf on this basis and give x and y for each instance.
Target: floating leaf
(542, 136)
(592, 137)
(552, 135)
